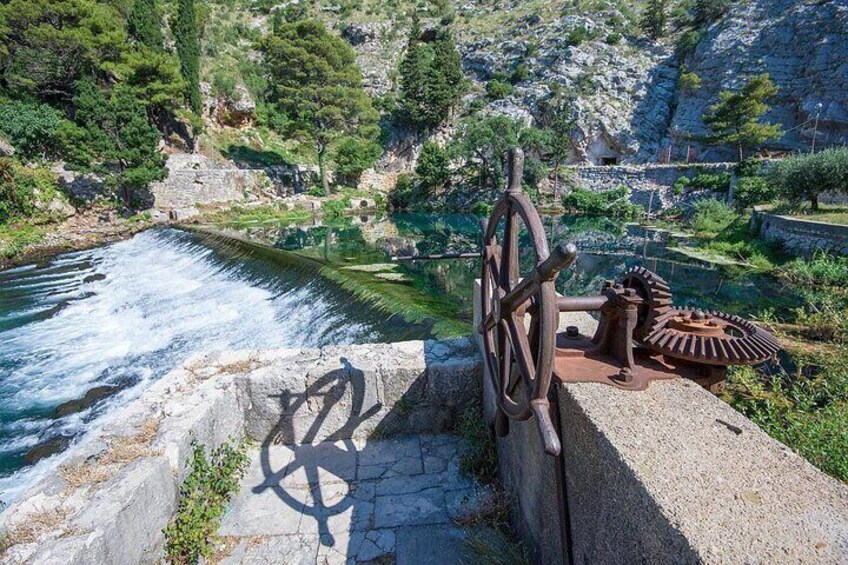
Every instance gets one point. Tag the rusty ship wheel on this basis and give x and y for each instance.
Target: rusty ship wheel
(517, 352)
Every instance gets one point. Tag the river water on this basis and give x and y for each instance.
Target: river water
(105, 323)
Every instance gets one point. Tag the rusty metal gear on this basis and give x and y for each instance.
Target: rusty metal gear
(656, 294)
(711, 338)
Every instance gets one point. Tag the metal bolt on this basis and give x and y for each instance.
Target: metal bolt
(572, 332)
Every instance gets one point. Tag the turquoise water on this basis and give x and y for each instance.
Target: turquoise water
(110, 321)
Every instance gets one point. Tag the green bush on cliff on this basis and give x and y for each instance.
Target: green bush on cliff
(611, 203)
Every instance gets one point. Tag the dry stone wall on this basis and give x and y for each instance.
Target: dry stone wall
(799, 236)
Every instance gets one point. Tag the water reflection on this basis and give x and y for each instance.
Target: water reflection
(607, 249)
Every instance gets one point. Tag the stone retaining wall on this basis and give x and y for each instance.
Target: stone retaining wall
(112, 495)
(799, 236)
(645, 180)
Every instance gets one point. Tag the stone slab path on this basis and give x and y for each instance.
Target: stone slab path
(378, 501)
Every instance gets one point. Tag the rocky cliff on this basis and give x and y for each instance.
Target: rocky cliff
(803, 45)
(629, 108)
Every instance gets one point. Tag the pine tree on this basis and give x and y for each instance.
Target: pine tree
(735, 118)
(654, 19)
(318, 87)
(413, 71)
(145, 24)
(188, 50)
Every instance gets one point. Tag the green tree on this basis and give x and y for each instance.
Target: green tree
(431, 80)
(735, 119)
(433, 166)
(154, 77)
(145, 24)
(654, 19)
(483, 146)
(318, 87)
(120, 138)
(31, 128)
(47, 45)
(808, 176)
(187, 36)
(353, 155)
(559, 115)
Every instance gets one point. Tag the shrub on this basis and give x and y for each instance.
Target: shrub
(497, 89)
(821, 270)
(403, 194)
(687, 43)
(681, 185)
(203, 497)
(432, 167)
(520, 73)
(335, 208)
(751, 191)
(808, 176)
(612, 203)
(353, 155)
(21, 188)
(710, 216)
(31, 128)
(613, 39)
(689, 82)
(577, 36)
(713, 182)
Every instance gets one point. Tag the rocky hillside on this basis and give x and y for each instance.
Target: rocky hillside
(629, 106)
(803, 45)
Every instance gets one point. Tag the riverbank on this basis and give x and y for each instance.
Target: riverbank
(23, 242)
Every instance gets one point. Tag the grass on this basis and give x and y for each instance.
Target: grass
(239, 216)
(204, 494)
(16, 237)
(480, 459)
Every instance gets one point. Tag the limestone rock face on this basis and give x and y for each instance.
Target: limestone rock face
(378, 51)
(6, 148)
(804, 48)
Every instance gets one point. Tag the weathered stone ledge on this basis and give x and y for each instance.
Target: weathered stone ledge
(114, 494)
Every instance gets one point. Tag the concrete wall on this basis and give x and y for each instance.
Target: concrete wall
(111, 496)
(801, 237)
(668, 475)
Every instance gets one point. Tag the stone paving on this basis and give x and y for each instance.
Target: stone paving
(386, 501)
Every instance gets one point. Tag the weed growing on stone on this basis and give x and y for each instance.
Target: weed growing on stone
(480, 458)
(204, 494)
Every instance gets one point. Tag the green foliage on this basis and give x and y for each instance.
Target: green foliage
(431, 80)
(654, 18)
(614, 38)
(822, 270)
(145, 24)
(806, 410)
(735, 119)
(751, 191)
(687, 43)
(611, 203)
(352, 156)
(808, 176)
(47, 45)
(187, 37)
(318, 87)
(203, 498)
(711, 216)
(22, 188)
(118, 136)
(708, 11)
(153, 77)
(498, 90)
(480, 458)
(689, 82)
(578, 35)
(483, 146)
(32, 128)
(433, 166)
(335, 208)
(403, 194)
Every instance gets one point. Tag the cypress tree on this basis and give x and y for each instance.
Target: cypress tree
(413, 70)
(145, 24)
(188, 50)
(654, 19)
(444, 87)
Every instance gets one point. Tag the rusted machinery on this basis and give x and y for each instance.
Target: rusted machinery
(640, 337)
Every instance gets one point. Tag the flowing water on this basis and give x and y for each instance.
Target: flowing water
(87, 331)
